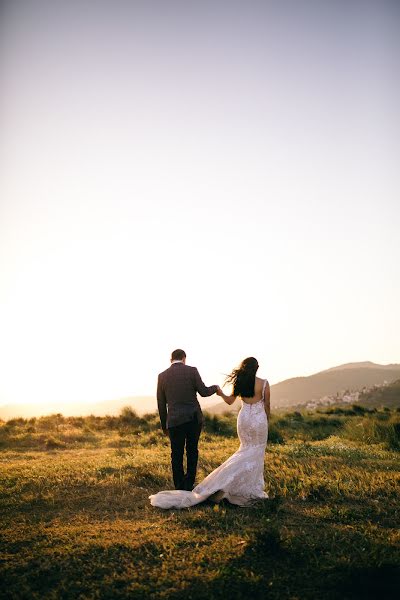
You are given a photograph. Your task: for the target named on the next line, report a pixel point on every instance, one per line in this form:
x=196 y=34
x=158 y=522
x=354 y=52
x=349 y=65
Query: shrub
x=52 y=443
x=297 y=415
x=76 y=421
x=222 y=425
x=394 y=442
x=16 y=422
x=274 y=435
x=51 y=421
x=129 y=418
x=372 y=431
x=336 y=410
x=358 y=409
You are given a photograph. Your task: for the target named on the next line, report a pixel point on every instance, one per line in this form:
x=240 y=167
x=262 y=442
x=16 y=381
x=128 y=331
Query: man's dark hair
x=178 y=355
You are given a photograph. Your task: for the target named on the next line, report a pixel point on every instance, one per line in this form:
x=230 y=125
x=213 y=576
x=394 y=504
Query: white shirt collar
x=176 y=361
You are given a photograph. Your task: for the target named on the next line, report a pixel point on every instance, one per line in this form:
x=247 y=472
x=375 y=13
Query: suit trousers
x=186 y=434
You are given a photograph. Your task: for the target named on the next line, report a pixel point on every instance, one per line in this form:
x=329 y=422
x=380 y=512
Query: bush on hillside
x=307 y=427
x=371 y=431
x=18 y=422
x=274 y=435
x=358 y=409
x=129 y=417
x=222 y=425
x=354 y=410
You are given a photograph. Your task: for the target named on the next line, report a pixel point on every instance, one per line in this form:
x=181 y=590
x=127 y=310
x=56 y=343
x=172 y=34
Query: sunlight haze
x=217 y=177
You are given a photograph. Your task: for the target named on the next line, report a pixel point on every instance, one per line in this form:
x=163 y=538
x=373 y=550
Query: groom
x=180 y=415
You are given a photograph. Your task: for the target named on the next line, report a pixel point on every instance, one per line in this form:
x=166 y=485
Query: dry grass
x=76 y=521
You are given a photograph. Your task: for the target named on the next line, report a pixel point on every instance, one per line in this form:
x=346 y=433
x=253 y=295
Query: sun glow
x=212 y=198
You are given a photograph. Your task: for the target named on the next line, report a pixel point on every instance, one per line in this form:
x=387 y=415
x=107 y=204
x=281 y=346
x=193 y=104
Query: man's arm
x=162 y=405
x=201 y=388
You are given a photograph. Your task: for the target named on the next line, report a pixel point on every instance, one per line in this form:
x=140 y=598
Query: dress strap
x=263 y=390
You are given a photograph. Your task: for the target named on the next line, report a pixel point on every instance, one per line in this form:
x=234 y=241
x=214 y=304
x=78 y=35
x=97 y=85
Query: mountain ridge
x=295 y=391
x=366 y=364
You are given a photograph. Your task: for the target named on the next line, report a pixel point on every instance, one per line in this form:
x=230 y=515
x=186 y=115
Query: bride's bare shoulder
x=258 y=385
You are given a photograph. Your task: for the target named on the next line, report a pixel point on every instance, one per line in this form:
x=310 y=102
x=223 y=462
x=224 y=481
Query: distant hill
x=389 y=396
x=140 y=404
x=296 y=391
x=300 y=390
x=364 y=365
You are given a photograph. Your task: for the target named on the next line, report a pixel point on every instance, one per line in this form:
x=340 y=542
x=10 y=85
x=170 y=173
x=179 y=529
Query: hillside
x=385 y=396
x=364 y=365
x=300 y=390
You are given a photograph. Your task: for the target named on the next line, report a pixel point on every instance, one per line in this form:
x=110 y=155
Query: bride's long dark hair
x=243 y=379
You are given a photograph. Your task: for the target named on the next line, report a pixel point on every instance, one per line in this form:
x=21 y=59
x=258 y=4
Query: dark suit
x=181 y=415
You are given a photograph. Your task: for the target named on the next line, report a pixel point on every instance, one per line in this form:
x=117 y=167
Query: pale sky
x=217 y=176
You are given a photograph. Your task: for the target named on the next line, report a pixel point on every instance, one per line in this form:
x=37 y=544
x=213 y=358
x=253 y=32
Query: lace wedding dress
x=240 y=479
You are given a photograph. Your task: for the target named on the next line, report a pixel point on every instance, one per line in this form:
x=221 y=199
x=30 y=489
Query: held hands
x=225 y=398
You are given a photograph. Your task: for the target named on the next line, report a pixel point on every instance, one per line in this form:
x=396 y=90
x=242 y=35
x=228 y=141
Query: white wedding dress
x=240 y=479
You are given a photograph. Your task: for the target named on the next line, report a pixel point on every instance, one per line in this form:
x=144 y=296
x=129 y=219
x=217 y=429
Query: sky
x=219 y=176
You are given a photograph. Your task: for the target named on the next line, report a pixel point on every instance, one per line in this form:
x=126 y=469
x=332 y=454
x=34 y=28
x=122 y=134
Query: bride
x=240 y=479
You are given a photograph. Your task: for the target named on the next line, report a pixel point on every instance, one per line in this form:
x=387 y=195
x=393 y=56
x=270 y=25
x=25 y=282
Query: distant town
x=344 y=396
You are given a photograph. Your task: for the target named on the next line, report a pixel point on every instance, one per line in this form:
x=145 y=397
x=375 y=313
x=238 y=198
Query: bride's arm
x=267 y=401
x=228 y=399
x=225 y=398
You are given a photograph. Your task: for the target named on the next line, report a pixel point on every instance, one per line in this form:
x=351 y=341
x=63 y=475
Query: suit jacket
x=176 y=389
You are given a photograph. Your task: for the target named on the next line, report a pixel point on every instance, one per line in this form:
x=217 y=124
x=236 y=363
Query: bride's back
x=258 y=392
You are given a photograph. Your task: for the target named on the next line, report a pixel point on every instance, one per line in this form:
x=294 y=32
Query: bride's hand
x=219 y=391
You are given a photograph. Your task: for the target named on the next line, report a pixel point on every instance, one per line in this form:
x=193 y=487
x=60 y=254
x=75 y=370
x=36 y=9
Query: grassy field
x=76 y=521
